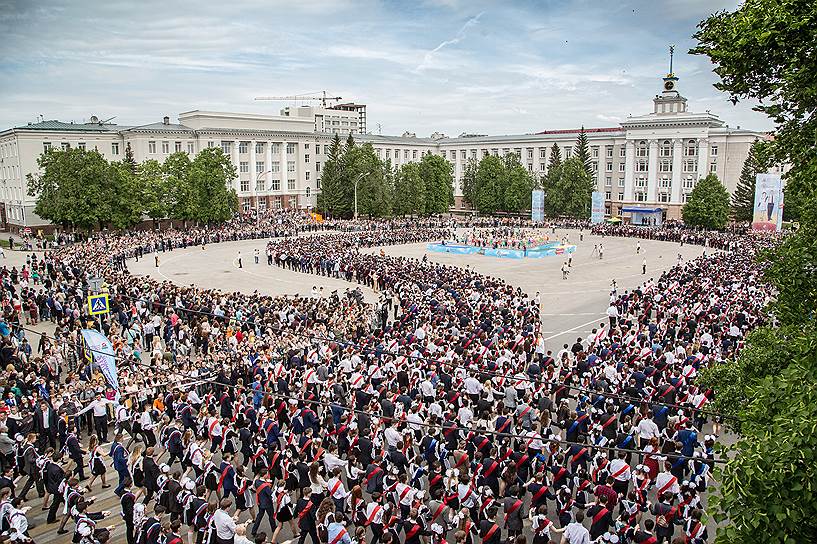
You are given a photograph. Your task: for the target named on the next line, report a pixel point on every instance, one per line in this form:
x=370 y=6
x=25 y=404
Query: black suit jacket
x=39 y=426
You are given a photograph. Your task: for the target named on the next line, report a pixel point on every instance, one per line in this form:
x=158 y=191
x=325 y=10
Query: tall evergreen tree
x=583 y=152
x=130 y=162
x=555 y=159
x=743 y=200
x=334 y=196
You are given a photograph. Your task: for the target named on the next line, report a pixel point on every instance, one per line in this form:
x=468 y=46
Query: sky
x=453 y=66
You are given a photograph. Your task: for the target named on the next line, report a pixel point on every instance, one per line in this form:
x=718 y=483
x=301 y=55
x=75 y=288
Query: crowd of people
x=504 y=237
x=438 y=414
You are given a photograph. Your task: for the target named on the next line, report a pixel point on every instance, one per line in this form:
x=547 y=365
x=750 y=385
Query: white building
x=650 y=161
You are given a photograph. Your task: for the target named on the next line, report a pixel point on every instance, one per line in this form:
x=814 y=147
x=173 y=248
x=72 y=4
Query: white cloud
x=428 y=59
x=517 y=67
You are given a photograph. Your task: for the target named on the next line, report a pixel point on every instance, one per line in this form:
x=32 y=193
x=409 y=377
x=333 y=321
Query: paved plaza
x=569 y=306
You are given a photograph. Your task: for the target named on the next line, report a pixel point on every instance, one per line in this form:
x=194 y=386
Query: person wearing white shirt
x=647 y=429
x=575 y=532
x=464 y=415
x=473 y=387
x=100 y=410
x=393 y=436
x=336 y=490
x=224 y=523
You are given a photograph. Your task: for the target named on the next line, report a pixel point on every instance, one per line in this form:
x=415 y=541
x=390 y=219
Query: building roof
x=578 y=130
x=160 y=127
x=79 y=127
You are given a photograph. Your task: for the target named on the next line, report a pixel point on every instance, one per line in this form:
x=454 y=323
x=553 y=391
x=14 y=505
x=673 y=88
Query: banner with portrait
x=767 y=214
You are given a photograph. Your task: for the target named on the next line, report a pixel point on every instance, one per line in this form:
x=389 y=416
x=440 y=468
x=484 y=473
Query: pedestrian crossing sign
x=98 y=304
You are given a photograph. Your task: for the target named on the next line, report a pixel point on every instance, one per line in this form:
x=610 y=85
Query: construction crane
x=305 y=97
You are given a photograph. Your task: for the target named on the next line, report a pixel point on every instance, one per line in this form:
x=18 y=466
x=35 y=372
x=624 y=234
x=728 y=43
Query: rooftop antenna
x=106 y=120
x=671 y=53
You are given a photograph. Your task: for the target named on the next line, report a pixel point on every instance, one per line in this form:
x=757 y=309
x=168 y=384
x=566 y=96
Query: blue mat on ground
x=545 y=250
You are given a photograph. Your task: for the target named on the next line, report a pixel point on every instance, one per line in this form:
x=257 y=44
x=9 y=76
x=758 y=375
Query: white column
x=268 y=167
x=703 y=158
x=629 y=170
x=234 y=158
x=652 y=175
x=284 y=173
x=677 y=151
x=253 y=174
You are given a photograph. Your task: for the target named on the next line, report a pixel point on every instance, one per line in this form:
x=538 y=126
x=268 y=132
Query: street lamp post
x=357 y=179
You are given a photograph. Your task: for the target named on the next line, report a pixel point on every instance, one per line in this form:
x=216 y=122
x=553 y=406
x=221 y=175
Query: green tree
x=409 y=190
x=154 y=188
x=335 y=198
x=374 y=197
x=71 y=188
x=518 y=185
x=129 y=161
x=550 y=185
x=179 y=193
x=571 y=192
x=469 y=183
x=707 y=205
x=743 y=200
x=210 y=177
x=763 y=51
x=490 y=185
x=438 y=181
x=125 y=196
x=555 y=157
x=583 y=152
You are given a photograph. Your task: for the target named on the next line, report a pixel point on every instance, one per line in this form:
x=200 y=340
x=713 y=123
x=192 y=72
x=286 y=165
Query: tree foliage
x=568 y=190
x=764 y=51
x=583 y=152
x=71 y=188
x=707 y=205
x=438 y=181
x=210 y=179
x=743 y=200
x=555 y=159
x=409 y=190
x=469 y=182
x=423 y=188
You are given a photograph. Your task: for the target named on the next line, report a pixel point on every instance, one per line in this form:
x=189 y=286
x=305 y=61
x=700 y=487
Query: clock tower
x=670 y=100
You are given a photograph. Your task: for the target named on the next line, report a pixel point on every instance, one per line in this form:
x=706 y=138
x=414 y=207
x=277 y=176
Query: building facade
x=650 y=161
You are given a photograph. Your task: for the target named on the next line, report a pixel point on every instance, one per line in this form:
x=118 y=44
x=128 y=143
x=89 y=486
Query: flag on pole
x=98 y=350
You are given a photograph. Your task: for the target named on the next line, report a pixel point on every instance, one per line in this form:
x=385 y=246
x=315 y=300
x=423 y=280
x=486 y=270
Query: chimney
x=166 y=120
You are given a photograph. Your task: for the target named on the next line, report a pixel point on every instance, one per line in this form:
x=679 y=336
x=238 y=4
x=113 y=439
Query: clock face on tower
x=669 y=85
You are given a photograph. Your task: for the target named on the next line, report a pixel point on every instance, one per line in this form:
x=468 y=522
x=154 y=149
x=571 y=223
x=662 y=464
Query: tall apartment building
x=649 y=161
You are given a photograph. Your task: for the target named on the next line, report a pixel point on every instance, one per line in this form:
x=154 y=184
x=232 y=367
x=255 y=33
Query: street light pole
x=357 y=179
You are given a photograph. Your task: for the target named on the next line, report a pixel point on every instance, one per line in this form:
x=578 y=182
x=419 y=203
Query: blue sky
x=437 y=65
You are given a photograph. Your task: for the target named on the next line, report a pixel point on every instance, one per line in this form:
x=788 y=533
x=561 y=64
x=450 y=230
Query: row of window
x=11 y=172
x=260 y=185
x=277 y=203
x=8 y=150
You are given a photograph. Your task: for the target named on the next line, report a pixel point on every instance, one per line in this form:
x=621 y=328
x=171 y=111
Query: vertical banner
x=537 y=208
x=597 y=208
x=768 y=210
x=98 y=350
